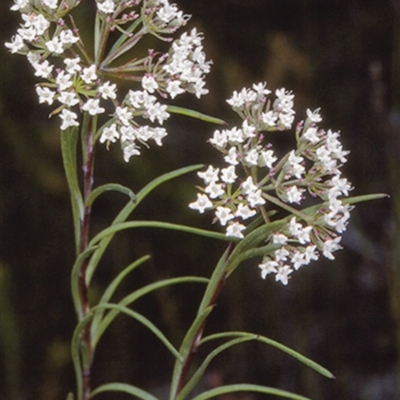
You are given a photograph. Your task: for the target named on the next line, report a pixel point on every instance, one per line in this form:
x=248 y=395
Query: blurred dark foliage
x=343 y=56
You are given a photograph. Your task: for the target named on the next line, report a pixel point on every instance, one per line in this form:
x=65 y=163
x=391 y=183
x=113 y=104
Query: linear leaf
x=247 y=387
x=144 y=321
x=109 y=187
x=251 y=336
x=123 y=387
x=195 y=114
x=129 y=208
x=136 y=295
x=200 y=371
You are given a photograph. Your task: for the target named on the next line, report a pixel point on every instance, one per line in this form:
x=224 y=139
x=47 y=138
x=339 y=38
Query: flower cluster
x=253 y=180
x=81 y=85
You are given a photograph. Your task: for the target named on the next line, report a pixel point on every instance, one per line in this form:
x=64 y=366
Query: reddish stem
x=87 y=168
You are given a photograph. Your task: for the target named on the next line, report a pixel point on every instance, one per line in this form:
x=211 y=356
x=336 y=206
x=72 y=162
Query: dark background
x=341 y=55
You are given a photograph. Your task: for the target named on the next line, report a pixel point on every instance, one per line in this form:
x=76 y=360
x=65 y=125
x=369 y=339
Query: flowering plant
x=285 y=210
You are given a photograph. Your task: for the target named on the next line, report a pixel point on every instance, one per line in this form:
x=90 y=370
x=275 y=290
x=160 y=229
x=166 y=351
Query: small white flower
x=68 y=98
x=311 y=134
x=108 y=90
x=244 y=211
x=294 y=194
x=130 y=150
x=109 y=134
x=158 y=134
x=67 y=37
x=283 y=273
x=251 y=158
x=45 y=95
x=92 y=106
x=124 y=115
x=44 y=69
x=224 y=214
x=52 y=4
x=235 y=230
x=210 y=175
x=69 y=119
x=157 y=111
x=228 y=175
x=16 y=44
x=107 y=6
x=201 y=204
x=329 y=246
x=63 y=80
x=219 y=139
x=255 y=198
x=55 y=45
x=72 y=65
x=214 y=190
x=174 y=88
x=314 y=116
x=281 y=254
x=89 y=74
x=232 y=157
x=266 y=158
x=149 y=83
x=279 y=238
x=268 y=267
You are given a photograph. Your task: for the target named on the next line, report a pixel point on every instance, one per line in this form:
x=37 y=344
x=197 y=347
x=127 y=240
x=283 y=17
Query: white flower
x=210 y=175
x=55 y=45
x=72 y=65
x=157 y=111
x=269 y=118
x=268 y=267
x=304 y=235
x=296 y=168
x=279 y=238
x=174 y=88
x=43 y=70
x=294 y=194
x=16 y=44
x=45 y=95
x=52 y=4
x=69 y=119
x=266 y=158
x=314 y=116
x=130 y=150
x=92 y=106
x=149 y=83
x=283 y=273
x=220 y=139
x=244 y=211
x=251 y=157
x=89 y=74
x=107 y=6
x=294 y=227
x=235 y=230
x=214 y=190
x=109 y=134
x=255 y=198
x=248 y=186
x=19 y=4
x=224 y=214
x=63 y=80
x=228 y=175
x=108 y=90
x=68 y=98
x=67 y=37
x=311 y=134
x=232 y=157
x=124 y=115
x=311 y=253
x=281 y=254
x=329 y=246
x=202 y=203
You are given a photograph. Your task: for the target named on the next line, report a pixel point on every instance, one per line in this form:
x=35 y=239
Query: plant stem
x=87 y=169
x=220 y=276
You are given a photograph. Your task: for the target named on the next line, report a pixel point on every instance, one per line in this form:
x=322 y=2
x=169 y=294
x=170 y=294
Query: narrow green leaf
x=125 y=388
x=365 y=197
x=129 y=208
x=69 y=141
x=111 y=289
x=200 y=371
x=159 y=225
x=251 y=336
x=186 y=348
x=247 y=387
x=109 y=187
x=195 y=114
x=144 y=321
x=126 y=301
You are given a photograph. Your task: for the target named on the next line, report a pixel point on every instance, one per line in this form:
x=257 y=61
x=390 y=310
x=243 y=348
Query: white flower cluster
x=254 y=180
x=81 y=85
